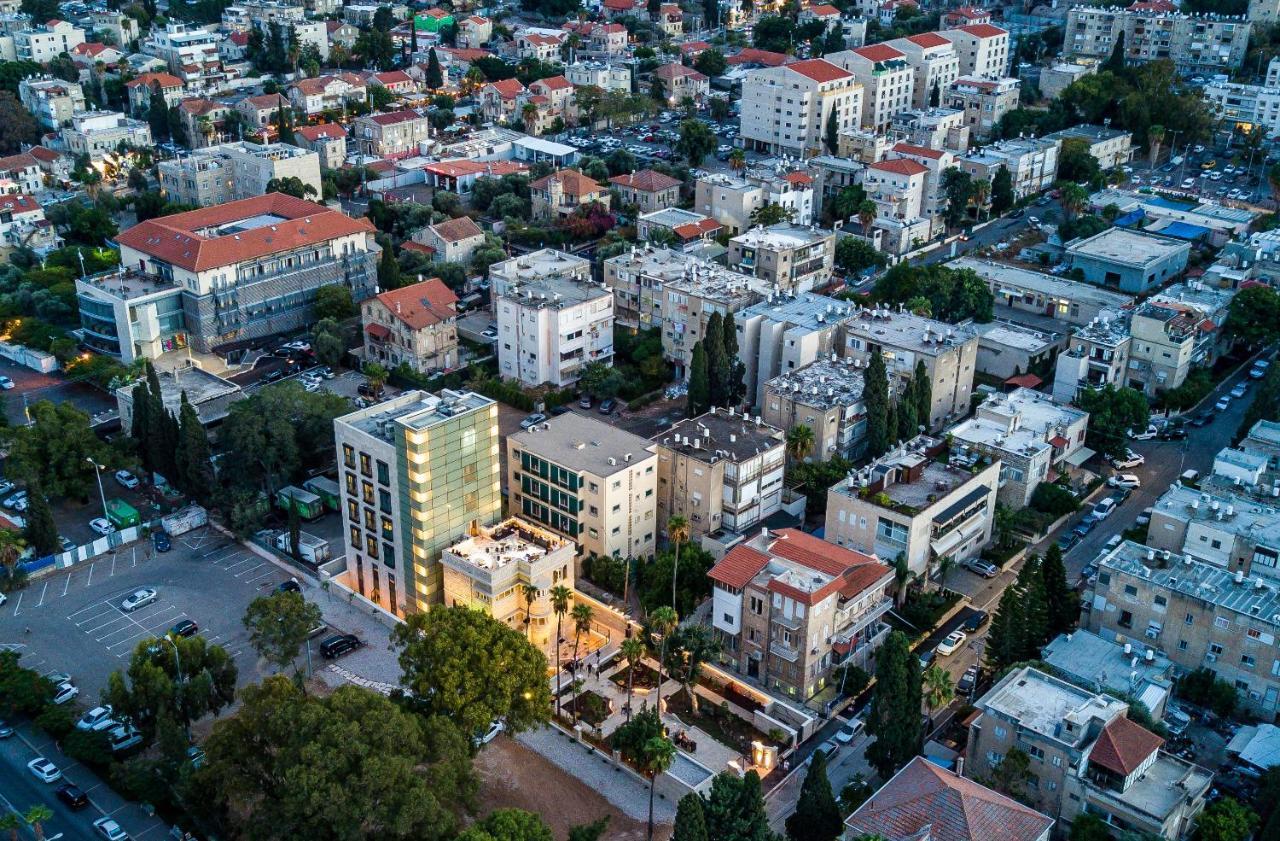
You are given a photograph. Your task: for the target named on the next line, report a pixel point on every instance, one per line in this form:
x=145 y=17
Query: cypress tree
x=923 y=390
x=894 y=718
x=388 y=268
x=1035 y=612
x=891 y=424
x=817 y=817
x=194 y=452
x=435 y=76
x=717 y=362
x=935 y=96
x=833 y=133
x=875 y=394
x=1005 y=639
x=737 y=370
x=1061 y=602
x=907 y=426
x=691 y=823
x=699 y=382
x=140 y=429
x=41 y=532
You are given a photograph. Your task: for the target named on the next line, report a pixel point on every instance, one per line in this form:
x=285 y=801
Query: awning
x=1059 y=442
x=1079 y=457
x=948 y=542
x=378 y=331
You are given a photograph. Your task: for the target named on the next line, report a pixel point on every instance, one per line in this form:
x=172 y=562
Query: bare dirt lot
x=512 y=776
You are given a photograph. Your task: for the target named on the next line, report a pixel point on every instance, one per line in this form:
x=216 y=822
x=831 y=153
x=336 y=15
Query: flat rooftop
x=1127 y=247
x=1265 y=432
x=124 y=285
x=579 y=442
x=806 y=310
x=509 y=543
x=656 y=263
x=1007 y=334
x=1015 y=279
x=902 y=329
x=1085 y=656
x=1092 y=133
x=553 y=291
x=782 y=236
x=416 y=411
x=210 y=394
x=717 y=284
x=720 y=433
x=823 y=385
x=1209 y=300
x=1045 y=704
x=672 y=217
x=1161 y=787
x=935 y=480
x=543 y=263
x=1110 y=329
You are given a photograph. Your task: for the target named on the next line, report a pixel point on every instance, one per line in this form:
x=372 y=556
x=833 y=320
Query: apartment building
x=1031 y=296
x=789 y=609
x=935 y=62
x=262 y=113
x=51 y=101
x=687 y=304
x=1196 y=614
x=414 y=325
x=732 y=199
x=552 y=319
x=1057 y=77
x=191 y=53
x=787 y=257
x=786 y=109
x=100 y=133
x=120 y=25
x=564 y=193
x=24 y=171
x=683 y=228
x=1207 y=44
x=1033 y=437
x=452 y=241
x=42 y=44
x=1097 y=355
x=1032 y=163
x=1007 y=350
x=932 y=128
x=500 y=101
x=786 y=332
x=825 y=396
x=720 y=471
x=887 y=80
x=327 y=140
x=588 y=481
x=242 y=270
x=1226 y=524
x=680 y=82
x=233 y=171
x=397 y=134
x=23 y=225
x=1103 y=665
x=1112 y=147
x=983 y=50
x=983 y=101
x=906 y=503
x=949 y=353
x=1086 y=756
x=204 y=120
x=327 y=93
x=1168 y=341
x=1127 y=259
x=647 y=189
x=932 y=200
x=419 y=472
x=143 y=88
x=474 y=31
x=897 y=188
x=638 y=278
x=600 y=74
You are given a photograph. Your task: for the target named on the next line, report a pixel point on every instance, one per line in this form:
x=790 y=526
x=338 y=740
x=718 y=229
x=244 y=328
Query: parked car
x=98 y=718
x=1172 y=433
x=584 y=402
x=1240 y=389
x=1130 y=459
x=1144 y=434
x=1068 y=540
x=607 y=406
x=5 y=730
x=1124 y=480
x=1144 y=518
x=975 y=621
x=338 y=645
x=44 y=770
x=1256 y=373
x=127 y=479
x=290 y=586
x=491 y=733
x=110 y=830
x=1223 y=403
x=185 y=628
x=70 y=794
x=952 y=643
x=65 y=692
x=1103 y=509
x=139 y=599
x=981 y=567
x=161 y=541
x=1205 y=418
x=849 y=731
x=489 y=333
x=6 y=383
x=532 y=420
x=15 y=500
x=1085 y=526
x=967 y=681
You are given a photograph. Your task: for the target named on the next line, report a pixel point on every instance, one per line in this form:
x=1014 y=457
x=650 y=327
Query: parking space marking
x=17 y=608
x=43 y=590
x=86 y=609
x=268 y=574
x=247 y=560
x=67 y=586
x=217 y=550
x=113 y=565
x=251 y=570
x=91 y=566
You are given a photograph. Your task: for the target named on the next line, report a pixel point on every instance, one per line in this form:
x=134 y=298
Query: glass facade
x=549 y=494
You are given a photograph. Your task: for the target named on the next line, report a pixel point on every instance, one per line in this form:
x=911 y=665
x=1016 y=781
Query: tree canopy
x=1112 y=412
x=953 y=294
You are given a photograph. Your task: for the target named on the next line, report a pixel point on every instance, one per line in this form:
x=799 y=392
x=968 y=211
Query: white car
x=1130 y=459
x=98 y=718
x=6 y=383
x=952 y=643
x=110 y=830
x=1002 y=246
x=127 y=479
x=44 y=770
x=65 y=692
x=20 y=498
x=102 y=526
x=1223 y=403
x=300 y=346
x=1124 y=480
x=849 y=731
x=138 y=599
x=495 y=728
x=1146 y=434
x=1188 y=183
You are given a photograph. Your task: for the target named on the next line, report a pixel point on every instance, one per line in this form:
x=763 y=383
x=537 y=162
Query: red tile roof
x=456 y=168
x=750 y=55
x=267 y=100
x=1025 y=381
x=923 y=800
x=22 y=160
x=696 y=230
x=394 y=77
x=396 y=117
x=1123 y=746
x=738 y=567
x=850 y=572
x=971 y=12
x=674 y=69
x=918 y=151
x=901 y=166
x=573 y=182
x=164 y=80
x=554 y=83
x=646 y=181
x=819 y=70
x=1058 y=442
x=18 y=203
x=798 y=178
x=321 y=131
x=879 y=52
x=928 y=39
x=816 y=553
x=178 y=240
x=422 y=304
x=984 y=30
x=456 y=230
x=823 y=10
x=507 y=88
x=691 y=47
x=462 y=54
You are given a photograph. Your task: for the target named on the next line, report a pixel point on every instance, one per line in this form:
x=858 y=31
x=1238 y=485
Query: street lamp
x=98 y=468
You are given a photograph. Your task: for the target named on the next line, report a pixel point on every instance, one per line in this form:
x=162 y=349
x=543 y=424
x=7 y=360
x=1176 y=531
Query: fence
x=37 y=567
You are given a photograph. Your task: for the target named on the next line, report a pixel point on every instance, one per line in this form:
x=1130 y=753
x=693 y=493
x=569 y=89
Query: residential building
x=1169 y=339
x=680 y=82
x=262 y=113
x=544 y=45
x=210 y=395
x=120 y=25
x=789 y=609
x=191 y=53
x=327 y=93
x=1128 y=259
x=1086 y=756
x=600 y=40
x=243 y=270
x=687 y=304
x=932 y=128
x=965 y=16
x=949 y=353
x=731 y=200
x=1208 y=44
x=203 y=120
x=647 y=190
x=983 y=101
x=42 y=44
x=1111 y=146
x=100 y=133
x=1102 y=665
x=142 y=89
x=983 y=50
x=720 y=471
x=600 y=74
x=552 y=319
x=1056 y=78
x=787 y=257
x=1097 y=355
x=686 y=229
x=1033 y=437
x=923 y=800
x=1247 y=105
x=24 y=171
x=670 y=19
x=1231 y=525
x=1007 y=350
x=1022 y=292
x=500 y=101
x=935 y=63
x=589 y=481
x=906 y=503
x=563 y=193
x=1197 y=614
x=23 y=225
x=897 y=189
x=231 y=171
x=474 y=31
x=887 y=80
x=825 y=396
x=638 y=278
x=453 y=240
x=327 y=140
x=787 y=109
x=1032 y=163
x=414 y=325
x=87 y=56
x=786 y=332
x=398 y=134
x=419 y=472
x=932 y=200
x=51 y=101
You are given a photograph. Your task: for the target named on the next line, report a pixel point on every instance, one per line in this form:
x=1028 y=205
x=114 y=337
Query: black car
x=1202 y=419
x=71 y=794
x=185 y=628
x=161 y=541
x=967 y=681
x=338 y=645
x=607 y=406
x=1068 y=540
x=1172 y=434
x=290 y=586
x=975 y=621
x=272 y=375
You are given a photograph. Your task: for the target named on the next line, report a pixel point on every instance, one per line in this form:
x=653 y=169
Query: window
x=1126 y=619
x=1247 y=662
x=384 y=501
x=366 y=464
x=348 y=455
x=757 y=605
x=1057 y=761
x=1190 y=620
x=1000 y=732
x=384 y=473
x=1221 y=622
x=366 y=492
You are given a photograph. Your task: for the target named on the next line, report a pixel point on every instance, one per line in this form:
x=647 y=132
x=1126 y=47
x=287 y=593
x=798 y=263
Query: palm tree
x=678 y=532
x=529 y=116
x=377 y=376
x=656 y=756
x=901 y=576
x=945 y=564
x=582 y=616
x=560 y=598
x=1155 y=138
x=633 y=652
x=11 y=821
x=531 y=594
x=11 y=548
x=1073 y=199
x=866 y=215
x=737 y=159
x=662 y=621
x=36 y=816
x=936 y=687
x=799 y=442
x=981 y=191
x=697 y=647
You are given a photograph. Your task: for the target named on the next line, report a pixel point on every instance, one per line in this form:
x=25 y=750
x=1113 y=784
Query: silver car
x=137 y=599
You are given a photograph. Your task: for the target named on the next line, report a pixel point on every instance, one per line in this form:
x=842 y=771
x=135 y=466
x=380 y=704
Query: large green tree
x=18 y=129
x=817 y=816
x=1254 y=316
x=1002 y=197
x=1226 y=820
x=1265 y=403
x=54 y=450
x=509 y=825
x=734 y=809
x=690 y=823
x=41 y=532
x=699 y=396
x=194 y=455
x=472 y=669
x=1062 y=602
x=719 y=365
x=278 y=434
x=696 y=141
x=1113 y=411
x=279 y=624
x=875 y=396
x=894 y=718
x=181 y=679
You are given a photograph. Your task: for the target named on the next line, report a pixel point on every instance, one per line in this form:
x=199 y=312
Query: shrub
x=1054 y=499
x=56 y=720
x=89 y=748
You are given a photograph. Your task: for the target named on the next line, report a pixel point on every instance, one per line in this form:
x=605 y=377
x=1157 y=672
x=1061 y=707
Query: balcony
x=784 y=651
